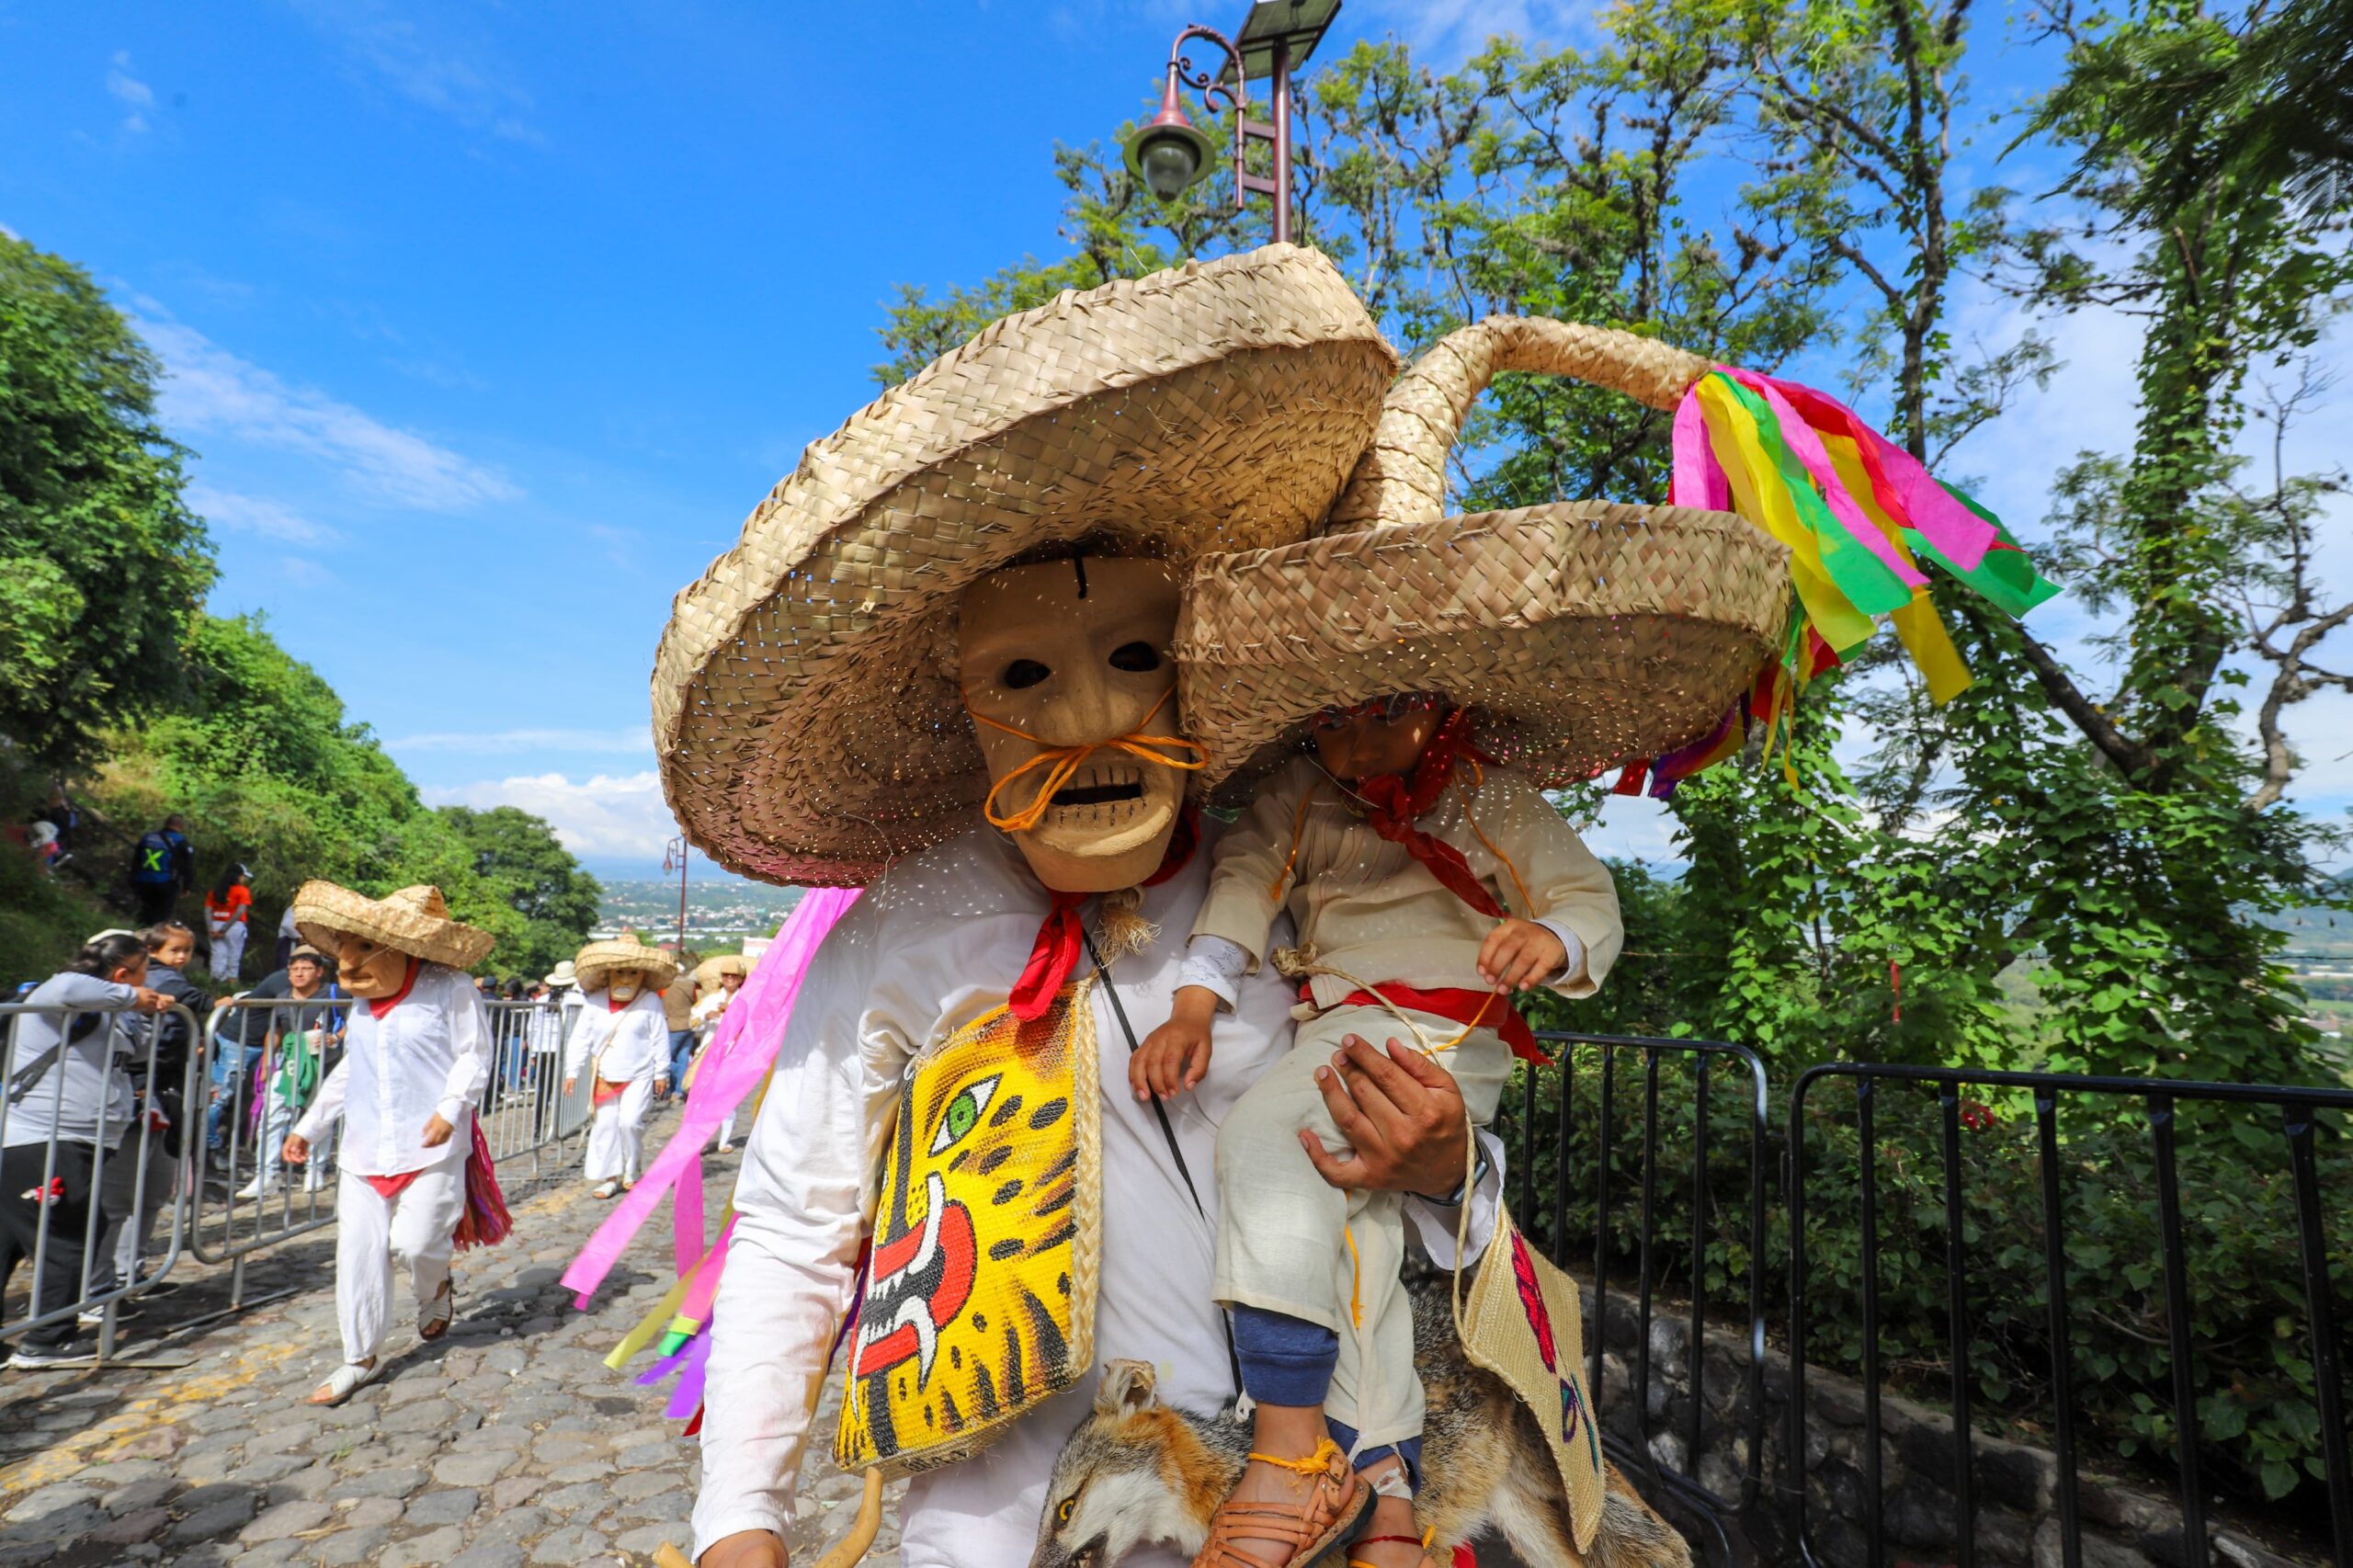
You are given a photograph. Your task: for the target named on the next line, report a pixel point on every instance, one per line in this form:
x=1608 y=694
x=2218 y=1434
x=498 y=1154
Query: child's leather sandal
x=1336 y=1503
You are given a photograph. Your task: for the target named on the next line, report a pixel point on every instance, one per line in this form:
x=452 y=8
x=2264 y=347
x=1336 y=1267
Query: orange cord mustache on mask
x=1065 y=761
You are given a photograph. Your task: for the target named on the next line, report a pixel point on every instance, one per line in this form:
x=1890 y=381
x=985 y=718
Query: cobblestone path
x=507 y=1442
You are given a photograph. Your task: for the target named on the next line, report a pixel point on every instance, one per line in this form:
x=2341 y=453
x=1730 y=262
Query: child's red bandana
x=1393 y=803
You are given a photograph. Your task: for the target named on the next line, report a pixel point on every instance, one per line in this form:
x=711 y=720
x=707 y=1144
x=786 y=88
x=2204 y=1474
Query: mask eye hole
x=1023 y=674
x=1069 y=1506
x=1135 y=657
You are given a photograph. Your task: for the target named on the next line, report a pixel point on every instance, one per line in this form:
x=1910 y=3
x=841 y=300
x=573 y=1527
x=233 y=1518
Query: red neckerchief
x=1061 y=936
x=379 y=1005
x=613 y=1007
x=1393 y=803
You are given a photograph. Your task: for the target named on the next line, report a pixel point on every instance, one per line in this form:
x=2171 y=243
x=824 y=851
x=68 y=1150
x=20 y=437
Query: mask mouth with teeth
x=1067 y=676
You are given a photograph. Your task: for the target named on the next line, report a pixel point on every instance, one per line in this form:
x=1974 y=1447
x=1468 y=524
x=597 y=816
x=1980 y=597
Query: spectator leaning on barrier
x=300 y=1049
x=170 y=948
x=69 y=1096
x=228 y=919
x=162 y=867
x=415 y=1060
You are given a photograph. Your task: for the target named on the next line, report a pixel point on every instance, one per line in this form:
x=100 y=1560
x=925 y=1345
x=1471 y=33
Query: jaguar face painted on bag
x=979 y=1292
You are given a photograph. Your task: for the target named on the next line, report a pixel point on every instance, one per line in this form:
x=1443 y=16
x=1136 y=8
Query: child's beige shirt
x=1367 y=906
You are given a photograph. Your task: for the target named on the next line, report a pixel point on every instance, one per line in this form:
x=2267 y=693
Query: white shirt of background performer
x=428 y=1057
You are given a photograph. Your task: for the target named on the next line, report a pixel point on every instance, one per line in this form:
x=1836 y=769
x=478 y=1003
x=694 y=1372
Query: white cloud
x=131 y=92
x=210 y=388
x=436 y=74
x=605 y=816
x=257 y=515
x=1453 y=31
x=624 y=741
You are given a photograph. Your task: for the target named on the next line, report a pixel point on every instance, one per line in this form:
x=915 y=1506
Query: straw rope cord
x=1402 y=476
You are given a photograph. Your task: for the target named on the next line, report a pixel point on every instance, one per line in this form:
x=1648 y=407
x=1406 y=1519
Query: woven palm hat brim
x=595 y=963
x=805 y=702
x=414 y=920
x=707 y=973
x=1585 y=633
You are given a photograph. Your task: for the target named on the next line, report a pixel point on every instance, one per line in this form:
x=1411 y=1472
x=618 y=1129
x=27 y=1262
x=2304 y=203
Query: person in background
x=564 y=990
x=162 y=867
x=41 y=837
x=622 y=1045
x=679 y=1017
x=171 y=948
x=730 y=969
x=288 y=938
x=65 y=817
x=300 y=1050
x=69 y=1097
x=228 y=918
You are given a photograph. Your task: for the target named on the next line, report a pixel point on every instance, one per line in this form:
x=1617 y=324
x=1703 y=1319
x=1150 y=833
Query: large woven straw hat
x=707 y=972
x=596 y=962
x=415 y=921
x=805 y=703
x=1586 y=633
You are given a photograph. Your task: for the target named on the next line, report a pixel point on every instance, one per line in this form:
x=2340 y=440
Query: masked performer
x=936 y=665
x=625 y=1034
x=417 y=1057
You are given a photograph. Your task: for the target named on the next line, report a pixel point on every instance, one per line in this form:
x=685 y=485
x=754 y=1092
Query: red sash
x=1467 y=1007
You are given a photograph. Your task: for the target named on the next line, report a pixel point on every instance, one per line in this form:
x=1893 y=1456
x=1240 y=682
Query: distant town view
x=720 y=911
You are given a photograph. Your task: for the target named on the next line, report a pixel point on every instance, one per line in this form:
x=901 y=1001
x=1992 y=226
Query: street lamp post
x=674 y=858
x=1170 y=155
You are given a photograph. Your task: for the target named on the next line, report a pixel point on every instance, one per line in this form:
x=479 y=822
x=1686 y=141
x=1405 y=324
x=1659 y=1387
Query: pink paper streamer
x=1960 y=533
x=746 y=1042
x=1698 y=479
x=1806 y=443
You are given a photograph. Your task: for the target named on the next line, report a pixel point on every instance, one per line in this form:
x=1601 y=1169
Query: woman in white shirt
x=417 y=1057
x=624 y=1037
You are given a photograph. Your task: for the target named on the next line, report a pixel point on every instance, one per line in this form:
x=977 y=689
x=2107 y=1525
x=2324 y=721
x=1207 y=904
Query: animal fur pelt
x=1137 y=1471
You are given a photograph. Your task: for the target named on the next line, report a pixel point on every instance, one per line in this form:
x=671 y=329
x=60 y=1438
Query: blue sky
x=490 y=322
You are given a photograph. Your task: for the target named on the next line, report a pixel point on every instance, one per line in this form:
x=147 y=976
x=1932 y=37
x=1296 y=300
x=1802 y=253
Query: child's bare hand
x=1176 y=1056
x=1518 y=953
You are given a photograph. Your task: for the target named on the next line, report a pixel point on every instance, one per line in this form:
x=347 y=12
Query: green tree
x=102 y=565
x=549 y=901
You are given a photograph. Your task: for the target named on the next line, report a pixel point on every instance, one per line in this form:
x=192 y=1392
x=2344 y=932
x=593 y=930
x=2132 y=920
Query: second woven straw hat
x=806 y=712
x=415 y=921
x=1586 y=633
x=595 y=963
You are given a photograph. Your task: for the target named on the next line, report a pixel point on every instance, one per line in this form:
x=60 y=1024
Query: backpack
x=154 y=862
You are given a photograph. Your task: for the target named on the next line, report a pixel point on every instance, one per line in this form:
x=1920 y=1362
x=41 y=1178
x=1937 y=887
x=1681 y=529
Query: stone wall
x=2016 y=1483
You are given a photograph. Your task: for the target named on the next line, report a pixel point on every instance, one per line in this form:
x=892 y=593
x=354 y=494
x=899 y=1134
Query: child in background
x=1425 y=885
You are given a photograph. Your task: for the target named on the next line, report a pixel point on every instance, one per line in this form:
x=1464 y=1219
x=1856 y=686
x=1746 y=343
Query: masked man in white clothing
x=417 y=1058
x=937 y=665
x=623 y=1039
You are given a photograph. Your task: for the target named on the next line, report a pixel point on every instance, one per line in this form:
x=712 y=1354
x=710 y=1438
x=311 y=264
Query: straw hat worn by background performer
x=806 y=708
x=415 y=921
x=595 y=963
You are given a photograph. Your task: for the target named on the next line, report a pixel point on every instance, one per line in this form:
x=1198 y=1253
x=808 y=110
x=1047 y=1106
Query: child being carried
x=1426 y=884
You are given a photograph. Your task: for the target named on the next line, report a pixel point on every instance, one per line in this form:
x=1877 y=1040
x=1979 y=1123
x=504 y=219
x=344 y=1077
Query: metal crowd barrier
x=1940 y=1111
x=85 y=1268
x=1599 y=1144
x=250 y=1198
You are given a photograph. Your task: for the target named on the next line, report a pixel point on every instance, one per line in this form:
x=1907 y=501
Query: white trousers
x=229 y=950
x=1288 y=1242
x=415 y=1229
x=616 y=1137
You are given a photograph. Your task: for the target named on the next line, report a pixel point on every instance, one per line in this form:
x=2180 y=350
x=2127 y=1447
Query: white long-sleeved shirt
x=937 y=942
x=427 y=1055
x=628 y=1046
